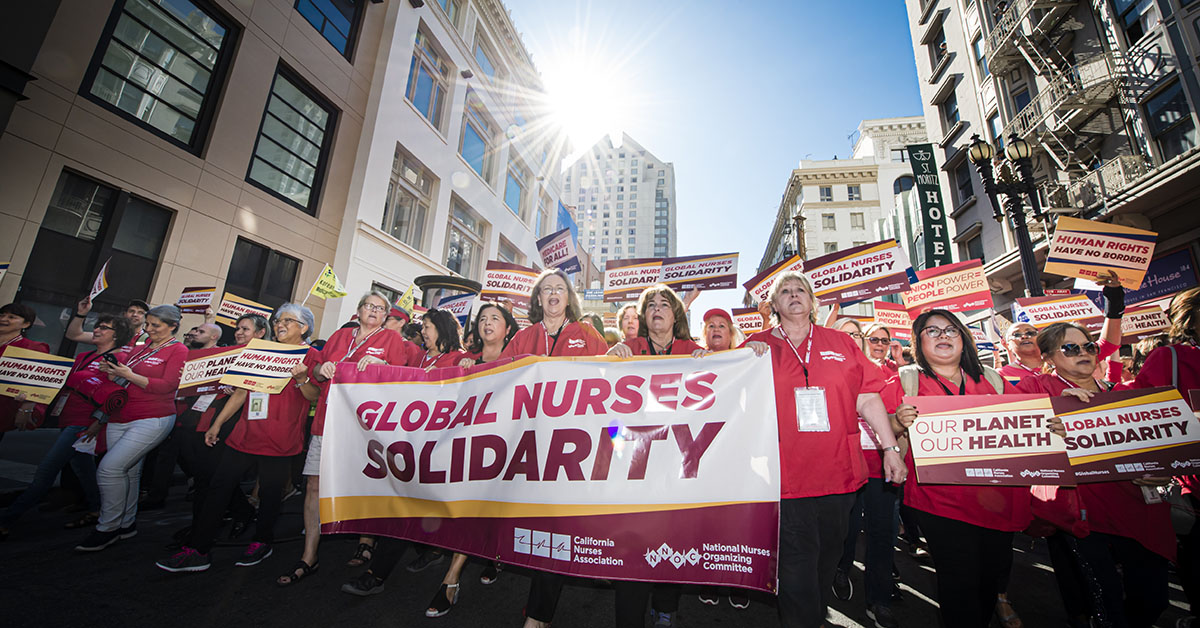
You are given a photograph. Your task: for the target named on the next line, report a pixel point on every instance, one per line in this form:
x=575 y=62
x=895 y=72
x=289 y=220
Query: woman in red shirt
x=879 y=348
x=442 y=335
x=823 y=383
x=15 y=412
x=720 y=334
x=1124 y=529
x=366 y=344
x=493 y=329
x=74 y=410
x=150 y=373
x=269 y=432
x=556 y=331
x=969 y=528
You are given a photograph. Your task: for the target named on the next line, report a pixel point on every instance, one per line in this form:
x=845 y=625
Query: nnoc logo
x=664 y=553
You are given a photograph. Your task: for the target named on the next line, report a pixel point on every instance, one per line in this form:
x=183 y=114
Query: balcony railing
x=1106 y=181
x=1076 y=87
x=1010 y=21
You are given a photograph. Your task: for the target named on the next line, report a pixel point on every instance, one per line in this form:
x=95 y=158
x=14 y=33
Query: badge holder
x=812 y=414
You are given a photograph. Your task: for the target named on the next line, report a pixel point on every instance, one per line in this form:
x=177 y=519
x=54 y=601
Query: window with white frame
x=477 y=144
x=857 y=220
x=515 y=188
x=1170 y=122
x=828 y=221
x=854 y=192
x=825 y=192
x=428 y=80
x=464 y=240
x=508 y=253
x=485 y=56
x=453 y=11
x=410 y=194
x=980 y=57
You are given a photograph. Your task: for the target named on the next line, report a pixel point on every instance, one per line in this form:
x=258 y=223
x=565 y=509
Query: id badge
x=58 y=405
x=866 y=436
x=203 y=402
x=812 y=415
x=1151 y=495
x=258 y=406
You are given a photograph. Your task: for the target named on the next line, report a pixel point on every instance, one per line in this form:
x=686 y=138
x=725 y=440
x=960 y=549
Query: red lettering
x=571 y=462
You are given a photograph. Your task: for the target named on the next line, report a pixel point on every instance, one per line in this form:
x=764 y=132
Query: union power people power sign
x=663 y=468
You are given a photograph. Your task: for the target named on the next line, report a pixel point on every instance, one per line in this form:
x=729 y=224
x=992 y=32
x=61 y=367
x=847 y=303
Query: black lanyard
x=550 y=347
x=962 y=386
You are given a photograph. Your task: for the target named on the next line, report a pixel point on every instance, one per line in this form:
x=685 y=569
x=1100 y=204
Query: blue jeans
x=60 y=455
x=120 y=470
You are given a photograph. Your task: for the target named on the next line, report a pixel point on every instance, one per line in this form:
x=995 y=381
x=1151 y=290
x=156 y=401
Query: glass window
x=949 y=109
x=428 y=80
x=78 y=207
x=857 y=220
x=903 y=184
x=261 y=274
x=334 y=19
x=477 y=137
x=292 y=148
x=483 y=56
x=831 y=247
x=464 y=250
x=980 y=57
x=160 y=65
x=1137 y=17
x=828 y=221
x=900 y=155
x=452 y=9
x=826 y=193
x=142 y=229
x=962 y=182
x=508 y=253
x=854 y=192
x=410 y=194
x=1170 y=121
x=1021 y=99
x=997 y=131
x=514 y=189
x=937 y=48
x=973 y=249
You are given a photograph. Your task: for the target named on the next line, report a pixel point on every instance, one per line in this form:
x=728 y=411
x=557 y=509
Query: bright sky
x=733 y=93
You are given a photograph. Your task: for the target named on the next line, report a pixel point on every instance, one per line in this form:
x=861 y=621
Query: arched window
x=902 y=184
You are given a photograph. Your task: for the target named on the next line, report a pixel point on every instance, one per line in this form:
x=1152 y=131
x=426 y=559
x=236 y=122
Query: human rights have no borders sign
x=661 y=469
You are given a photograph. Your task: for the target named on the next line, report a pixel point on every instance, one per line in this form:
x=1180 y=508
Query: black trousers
x=811 y=533
x=203 y=461
x=1188 y=566
x=874 y=506
x=232 y=467
x=632 y=597
x=162 y=460
x=972 y=568
x=544 y=590
x=1135 y=595
x=386 y=556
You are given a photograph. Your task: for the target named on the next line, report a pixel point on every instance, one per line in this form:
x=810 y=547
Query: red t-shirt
x=162 y=367
x=889 y=367
x=680 y=346
x=1115 y=507
x=1014 y=372
x=385 y=344
x=575 y=339
x=820 y=463
x=1005 y=508
x=1156 y=371
x=9 y=405
x=78 y=409
x=281 y=433
x=866 y=439
x=450 y=358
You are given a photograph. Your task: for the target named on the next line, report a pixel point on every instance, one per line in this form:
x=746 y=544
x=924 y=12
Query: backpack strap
x=909 y=375
x=1174 y=366
x=994 y=378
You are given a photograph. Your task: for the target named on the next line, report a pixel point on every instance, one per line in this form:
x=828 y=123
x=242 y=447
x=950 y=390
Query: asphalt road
x=45 y=583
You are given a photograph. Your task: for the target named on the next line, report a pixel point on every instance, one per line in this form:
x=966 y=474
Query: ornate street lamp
x=1018 y=152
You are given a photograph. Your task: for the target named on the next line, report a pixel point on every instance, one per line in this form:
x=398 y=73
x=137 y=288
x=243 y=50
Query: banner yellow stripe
x=378 y=507
x=1166 y=395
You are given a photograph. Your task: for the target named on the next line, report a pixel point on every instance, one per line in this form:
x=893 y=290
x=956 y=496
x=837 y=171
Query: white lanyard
x=146 y=355
x=432 y=359
x=1021 y=364
x=1070 y=385
x=355 y=347
x=807 y=350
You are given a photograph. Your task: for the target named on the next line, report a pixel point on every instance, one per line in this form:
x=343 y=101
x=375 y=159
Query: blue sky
x=734 y=94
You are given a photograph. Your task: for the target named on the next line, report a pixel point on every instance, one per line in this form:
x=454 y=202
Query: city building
x=833 y=204
x=246 y=144
x=624 y=200
x=1106 y=94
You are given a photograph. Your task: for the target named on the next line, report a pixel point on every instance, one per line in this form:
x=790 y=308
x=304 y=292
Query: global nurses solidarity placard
x=508 y=282
x=196 y=300
x=759 y=285
x=579 y=466
x=1089 y=249
x=987 y=439
x=624 y=280
x=1130 y=434
x=859 y=273
x=747 y=319
x=264 y=366
x=38 y=375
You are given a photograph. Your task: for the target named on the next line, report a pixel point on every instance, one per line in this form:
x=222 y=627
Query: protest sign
x=459 y=305
x=982 y=341
x=3 y=269
x=960 y=287
x=987 y=439
x=234 y=307
x=579 y=466
x=204 y=369
x=610 y=319
x=406 y=301
x=1089 y=249
x=558 y=251
x=264 y=366
x=1041 y=312
x=327 y=285
x=759 y=285
x=1130 y=434
x=859 y=273
x=593 y=294
x=895 y=317
x=625 y=279
x=101 y=283
x=747 y=319
x=196 y=300
x=38 y=375
x=1140 y=323
x=508 y=282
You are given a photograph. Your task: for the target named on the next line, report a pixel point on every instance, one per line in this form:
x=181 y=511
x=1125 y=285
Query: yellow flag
x=328 y=286
x=405 y=302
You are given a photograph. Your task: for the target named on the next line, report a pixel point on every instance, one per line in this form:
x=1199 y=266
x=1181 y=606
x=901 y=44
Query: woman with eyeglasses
x=75 y=411
x=442 y=336
x=363 y=345
x=556 y=331
x=1130 y=542
x=854 y=329
x=269 y=431
x=969 y=528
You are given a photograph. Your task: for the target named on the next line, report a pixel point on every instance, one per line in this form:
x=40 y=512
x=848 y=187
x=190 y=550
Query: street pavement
x=45 y=583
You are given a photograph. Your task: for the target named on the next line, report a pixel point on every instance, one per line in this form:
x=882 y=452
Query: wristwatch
x=895 y=448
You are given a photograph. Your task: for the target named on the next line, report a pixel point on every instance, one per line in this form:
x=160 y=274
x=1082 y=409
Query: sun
x=586 y=96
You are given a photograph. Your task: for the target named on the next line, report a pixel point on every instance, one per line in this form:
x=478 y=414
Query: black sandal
x=86 y=521
x=298 y=572
x=441 y=604
x=362 y=555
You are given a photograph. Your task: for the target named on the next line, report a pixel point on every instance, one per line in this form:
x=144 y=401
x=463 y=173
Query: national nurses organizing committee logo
x=540 y=543
x=664 y=553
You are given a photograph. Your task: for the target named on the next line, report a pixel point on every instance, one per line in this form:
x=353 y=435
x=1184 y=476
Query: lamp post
x=1018 y=153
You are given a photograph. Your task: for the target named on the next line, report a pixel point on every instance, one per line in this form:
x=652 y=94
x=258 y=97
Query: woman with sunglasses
x=1130 y=542
x=969 y=528
x=269 y=431
x=881 y=349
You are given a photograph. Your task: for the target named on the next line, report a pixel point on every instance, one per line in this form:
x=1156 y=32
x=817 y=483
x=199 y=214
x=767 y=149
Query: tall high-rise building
x=624 y=200
x=1105 y=92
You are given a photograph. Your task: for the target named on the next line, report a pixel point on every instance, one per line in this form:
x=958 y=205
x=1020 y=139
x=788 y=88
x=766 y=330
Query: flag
x=101 y=282
x=405 y=302
x=328 y=286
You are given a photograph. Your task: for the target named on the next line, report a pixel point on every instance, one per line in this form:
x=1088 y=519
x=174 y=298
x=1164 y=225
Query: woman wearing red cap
x=720 y=334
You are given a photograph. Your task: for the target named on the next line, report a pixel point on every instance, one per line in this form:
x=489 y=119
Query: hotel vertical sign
x=933 y=215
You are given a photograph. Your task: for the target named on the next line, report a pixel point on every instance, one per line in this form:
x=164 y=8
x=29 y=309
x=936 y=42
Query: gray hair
x=168 y=314
x=373 y=293
x=303 y=314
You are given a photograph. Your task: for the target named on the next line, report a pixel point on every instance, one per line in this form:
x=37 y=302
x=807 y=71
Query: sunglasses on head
x=1072 y=349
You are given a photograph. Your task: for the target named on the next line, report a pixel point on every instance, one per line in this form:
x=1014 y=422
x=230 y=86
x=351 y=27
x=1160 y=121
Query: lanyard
x=1099 y=386
x=670 y=347
x=546 y=337
x=962 y=385
x=146 y=355
x=355 y=347
x=807 y=350
x=1021 y=365
x=10 y=341
x=432 y=359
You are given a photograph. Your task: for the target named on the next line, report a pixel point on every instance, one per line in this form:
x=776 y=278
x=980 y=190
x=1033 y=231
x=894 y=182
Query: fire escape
x=1075 y=107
